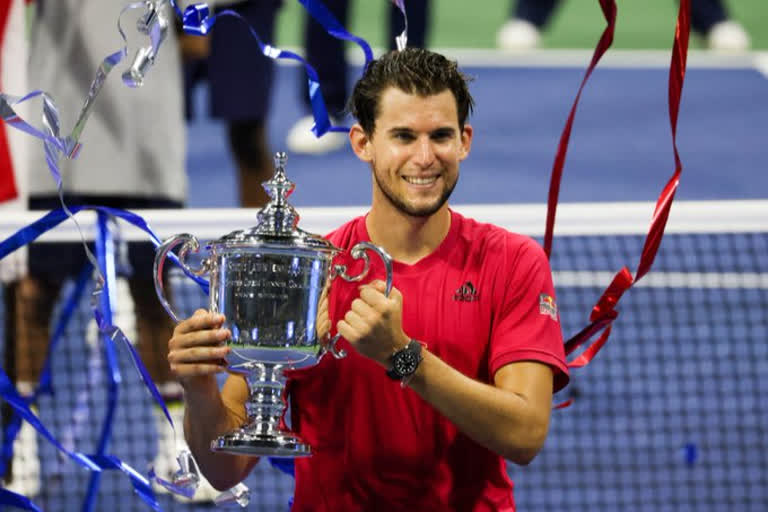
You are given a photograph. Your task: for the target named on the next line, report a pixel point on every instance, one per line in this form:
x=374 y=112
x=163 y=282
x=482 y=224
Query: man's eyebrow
x=444 y=130
x=400 y=129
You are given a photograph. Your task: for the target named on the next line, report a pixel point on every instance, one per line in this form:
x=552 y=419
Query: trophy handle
x=357 y=252
x=190 y=244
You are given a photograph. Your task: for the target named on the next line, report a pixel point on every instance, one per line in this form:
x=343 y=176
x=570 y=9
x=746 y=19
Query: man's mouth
x=420 y=180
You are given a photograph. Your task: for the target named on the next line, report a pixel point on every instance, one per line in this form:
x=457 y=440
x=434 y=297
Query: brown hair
x=414 y=71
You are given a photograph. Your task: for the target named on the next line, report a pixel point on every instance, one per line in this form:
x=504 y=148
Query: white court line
x=567 y=58
x=701 y=280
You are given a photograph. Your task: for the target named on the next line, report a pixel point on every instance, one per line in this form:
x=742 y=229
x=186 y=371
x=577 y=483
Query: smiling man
x=448 y=377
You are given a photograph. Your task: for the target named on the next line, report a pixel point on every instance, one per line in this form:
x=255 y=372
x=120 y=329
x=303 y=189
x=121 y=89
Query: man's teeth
x=420 y=181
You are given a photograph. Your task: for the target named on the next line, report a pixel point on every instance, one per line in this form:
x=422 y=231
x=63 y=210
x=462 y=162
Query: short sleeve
x=526 y=321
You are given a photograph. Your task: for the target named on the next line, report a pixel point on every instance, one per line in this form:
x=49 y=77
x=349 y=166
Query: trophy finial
x=278 y=217
x=280 y=159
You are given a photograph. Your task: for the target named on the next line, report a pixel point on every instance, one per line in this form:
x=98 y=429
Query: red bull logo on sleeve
x=547 y=306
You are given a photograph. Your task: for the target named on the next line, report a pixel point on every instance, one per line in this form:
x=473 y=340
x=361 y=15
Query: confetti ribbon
x=45 y=385
x=102 y=309
x=12 y=499
x=401 y=41
x=90 y=462
x=604 y=313
x=198 y=20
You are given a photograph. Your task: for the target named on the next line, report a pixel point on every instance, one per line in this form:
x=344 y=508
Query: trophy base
x=241 y=442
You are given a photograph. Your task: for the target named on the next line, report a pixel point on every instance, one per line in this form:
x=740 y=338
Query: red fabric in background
x=8 y=188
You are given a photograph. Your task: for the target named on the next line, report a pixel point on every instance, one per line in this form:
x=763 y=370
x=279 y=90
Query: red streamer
x=609 y=12
x=604 y=312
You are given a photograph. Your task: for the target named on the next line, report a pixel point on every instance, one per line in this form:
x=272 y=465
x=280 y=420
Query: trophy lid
x=278 y=219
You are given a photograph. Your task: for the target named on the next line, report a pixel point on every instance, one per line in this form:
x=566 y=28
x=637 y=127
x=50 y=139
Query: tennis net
x=668 y=416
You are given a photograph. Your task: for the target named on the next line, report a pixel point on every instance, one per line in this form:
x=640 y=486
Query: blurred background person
x=327 y=55
x=240 y=82
x=133 y=156
x=15 y=147
x=709 y=18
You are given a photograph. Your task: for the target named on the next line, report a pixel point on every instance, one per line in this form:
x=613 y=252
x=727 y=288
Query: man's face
x=415 y=150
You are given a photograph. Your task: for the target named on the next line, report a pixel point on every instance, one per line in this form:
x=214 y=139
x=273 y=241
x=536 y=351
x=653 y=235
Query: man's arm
x=510 y=418
x=196 y=356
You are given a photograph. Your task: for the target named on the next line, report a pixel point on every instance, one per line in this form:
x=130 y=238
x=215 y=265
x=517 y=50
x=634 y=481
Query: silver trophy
x=268 y=282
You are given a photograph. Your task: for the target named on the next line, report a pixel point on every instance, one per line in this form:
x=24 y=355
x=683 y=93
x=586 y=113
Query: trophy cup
x=268 y=281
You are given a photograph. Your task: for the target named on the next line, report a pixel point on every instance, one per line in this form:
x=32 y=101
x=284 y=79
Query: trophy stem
x=262 y=434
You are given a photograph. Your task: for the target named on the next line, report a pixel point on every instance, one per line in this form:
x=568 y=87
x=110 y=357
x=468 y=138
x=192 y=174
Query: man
x=478 y=299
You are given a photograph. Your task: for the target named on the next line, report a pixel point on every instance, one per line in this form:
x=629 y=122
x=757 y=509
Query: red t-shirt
x=483 y=299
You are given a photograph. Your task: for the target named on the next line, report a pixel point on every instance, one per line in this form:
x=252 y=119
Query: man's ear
x=466 y=141
x=360 y=143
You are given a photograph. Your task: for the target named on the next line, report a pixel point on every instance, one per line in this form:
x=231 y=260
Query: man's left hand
x=373 y=325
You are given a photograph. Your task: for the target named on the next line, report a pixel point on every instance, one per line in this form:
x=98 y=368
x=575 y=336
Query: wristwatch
x=405 y=362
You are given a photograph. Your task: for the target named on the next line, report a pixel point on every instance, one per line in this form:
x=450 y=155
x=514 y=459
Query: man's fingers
x=357 y=323
x=197 y=370
x=200 y=338
x=200 y=321
x=363 y=309
x=346 y=331
x=197 y=354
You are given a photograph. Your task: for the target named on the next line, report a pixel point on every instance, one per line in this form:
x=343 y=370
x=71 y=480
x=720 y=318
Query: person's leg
x=536 y=12
x=241 y=83
x=705 y=14
x=326 y=54
x=522 y=30
x=249 y=145
x=418 y=23
x=710 y=19
x=30 y=305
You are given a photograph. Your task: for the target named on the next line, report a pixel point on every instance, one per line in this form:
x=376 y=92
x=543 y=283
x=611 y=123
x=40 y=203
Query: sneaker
x=26 y=464
x=169 y=446
x=728 y=36
x=518 y=35
x=301 y=139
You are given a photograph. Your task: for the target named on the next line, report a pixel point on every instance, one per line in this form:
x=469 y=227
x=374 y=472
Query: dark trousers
x=326 y=53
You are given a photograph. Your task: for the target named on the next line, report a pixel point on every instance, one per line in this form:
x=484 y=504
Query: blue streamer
x=105 y=256
x=103 y=317
x=50 y=220
x=283 y=464
x=141 y=485
x=45 y=385
x=17 y=500
x=198 y=20
x=19 y=404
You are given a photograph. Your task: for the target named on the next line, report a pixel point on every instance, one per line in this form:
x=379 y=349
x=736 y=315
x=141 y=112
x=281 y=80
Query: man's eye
x=404 y=136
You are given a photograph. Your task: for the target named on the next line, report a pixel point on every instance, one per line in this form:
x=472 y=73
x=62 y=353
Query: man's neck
x=407 y=238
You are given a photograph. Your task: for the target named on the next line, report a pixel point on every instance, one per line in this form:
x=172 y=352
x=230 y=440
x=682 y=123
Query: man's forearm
x=501 y=420
x=207 y=417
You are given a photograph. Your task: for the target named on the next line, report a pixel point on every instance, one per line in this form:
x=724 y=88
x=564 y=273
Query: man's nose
x=425 y=153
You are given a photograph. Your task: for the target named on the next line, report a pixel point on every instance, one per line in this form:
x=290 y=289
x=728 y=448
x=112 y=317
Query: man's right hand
x=196 y=352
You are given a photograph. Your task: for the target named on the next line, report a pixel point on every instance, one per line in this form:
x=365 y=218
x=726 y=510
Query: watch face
x=406 y=362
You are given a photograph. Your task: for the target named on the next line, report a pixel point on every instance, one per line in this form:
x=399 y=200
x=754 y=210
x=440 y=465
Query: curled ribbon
x=401 y=41
x=198 y=20
x=604 y=312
